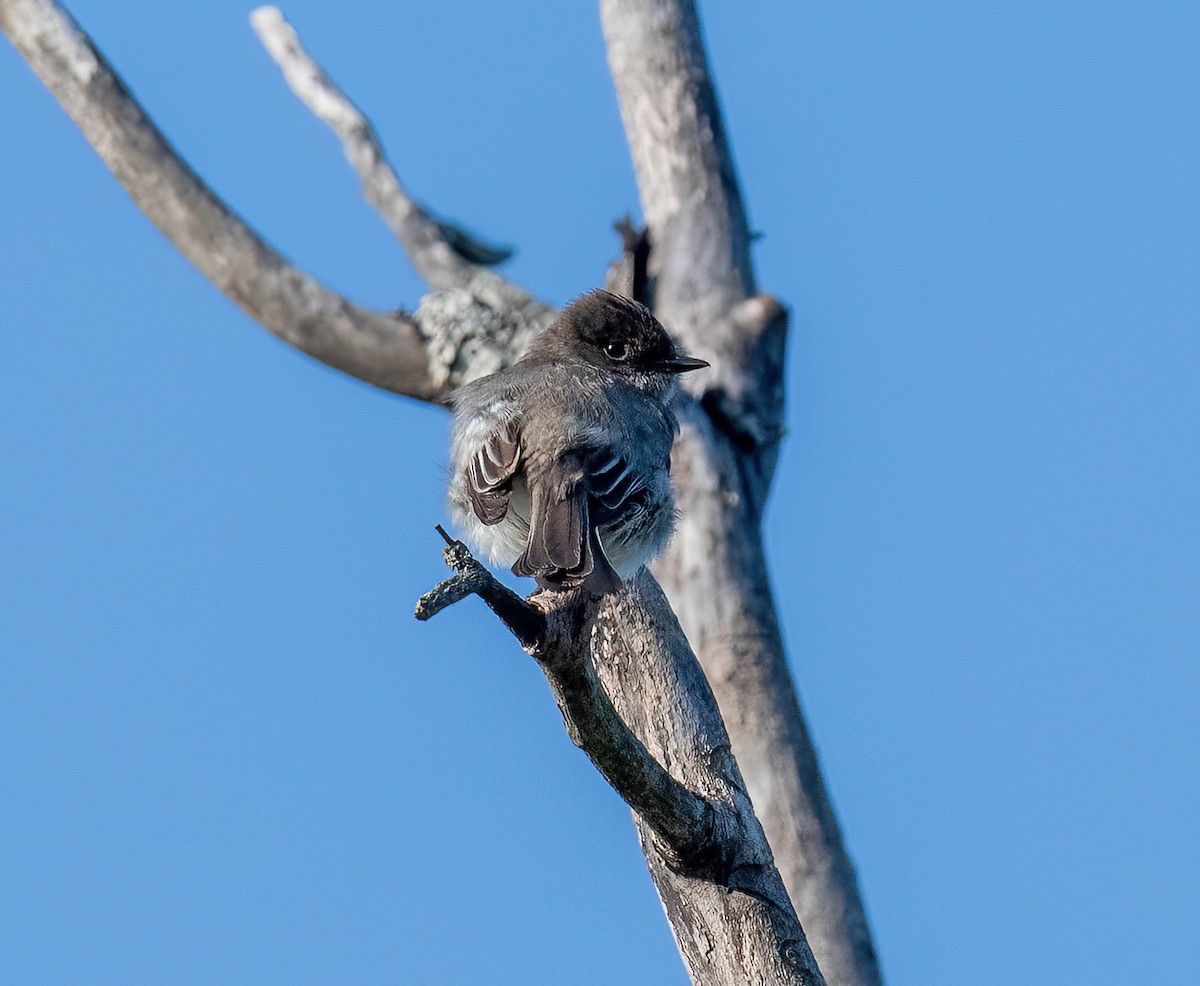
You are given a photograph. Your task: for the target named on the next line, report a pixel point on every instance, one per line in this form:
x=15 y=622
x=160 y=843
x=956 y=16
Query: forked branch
x=480 y=321
x=527 y=623
x=700 y=281
x=476 y=324
x=382 y=348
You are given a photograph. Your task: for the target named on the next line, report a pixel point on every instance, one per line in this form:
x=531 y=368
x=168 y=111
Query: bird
x=560 y=462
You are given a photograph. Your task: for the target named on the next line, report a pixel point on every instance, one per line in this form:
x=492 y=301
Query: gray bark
x=634 y=699
x=715 y=570
x=701 y=284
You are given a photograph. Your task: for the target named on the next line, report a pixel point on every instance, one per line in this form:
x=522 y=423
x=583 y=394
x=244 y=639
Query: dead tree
x=623 y=673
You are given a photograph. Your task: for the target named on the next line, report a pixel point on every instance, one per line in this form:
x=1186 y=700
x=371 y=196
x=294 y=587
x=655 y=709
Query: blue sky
x=227 y=752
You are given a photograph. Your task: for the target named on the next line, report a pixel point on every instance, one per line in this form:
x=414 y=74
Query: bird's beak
x=681 y=364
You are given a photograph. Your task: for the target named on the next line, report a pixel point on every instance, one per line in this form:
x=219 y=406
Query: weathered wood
x=445 y=255
x=635 y=700
x=455 y=335
x=698 y=276
x=381 y=348
x=715 y=571
x=742 y=927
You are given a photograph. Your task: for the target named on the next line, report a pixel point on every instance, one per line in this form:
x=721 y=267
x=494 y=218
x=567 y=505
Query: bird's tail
x=563 y=551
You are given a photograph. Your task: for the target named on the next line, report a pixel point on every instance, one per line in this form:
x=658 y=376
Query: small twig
x=632 y=270
x=526 y=622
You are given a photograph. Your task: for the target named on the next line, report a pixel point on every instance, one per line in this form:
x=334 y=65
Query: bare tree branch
x=457 y=334
x=504 y=317
x=700 y=277
x=444 y=255
x=701 y=266
x=556 y=636
x=629 y=274
x=715 y=570
x=730 y=913
x=525 y=622
x=477 y=322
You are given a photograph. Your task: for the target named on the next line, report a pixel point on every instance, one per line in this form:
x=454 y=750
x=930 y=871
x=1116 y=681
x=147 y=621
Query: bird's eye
x=616 y=350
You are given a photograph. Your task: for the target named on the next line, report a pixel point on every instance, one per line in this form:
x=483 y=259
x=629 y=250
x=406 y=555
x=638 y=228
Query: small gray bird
x=560 y=462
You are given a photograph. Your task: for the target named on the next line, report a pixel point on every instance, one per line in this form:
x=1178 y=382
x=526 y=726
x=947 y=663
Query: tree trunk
x=715 y=572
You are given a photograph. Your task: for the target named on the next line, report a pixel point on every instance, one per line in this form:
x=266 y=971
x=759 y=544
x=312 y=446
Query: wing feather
x=612 y=483
x=490 y=472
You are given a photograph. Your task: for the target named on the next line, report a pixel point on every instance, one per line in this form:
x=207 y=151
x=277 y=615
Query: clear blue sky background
x=228 y=753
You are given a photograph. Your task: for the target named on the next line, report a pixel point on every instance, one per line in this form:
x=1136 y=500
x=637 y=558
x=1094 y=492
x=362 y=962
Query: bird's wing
x=490 y=471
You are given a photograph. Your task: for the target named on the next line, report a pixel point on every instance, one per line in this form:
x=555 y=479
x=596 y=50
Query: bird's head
x=619 y=335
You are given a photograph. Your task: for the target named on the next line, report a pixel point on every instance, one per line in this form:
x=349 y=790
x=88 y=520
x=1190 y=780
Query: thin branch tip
x=524 y=621
x=265 y=13
x=444 y=253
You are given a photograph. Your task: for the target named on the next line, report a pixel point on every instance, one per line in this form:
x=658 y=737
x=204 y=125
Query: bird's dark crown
x=616 y=333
